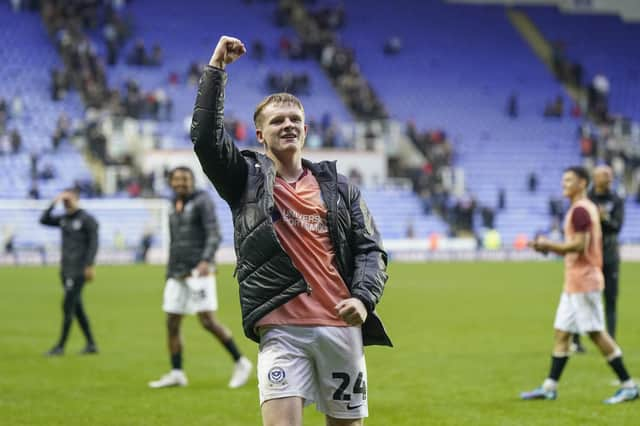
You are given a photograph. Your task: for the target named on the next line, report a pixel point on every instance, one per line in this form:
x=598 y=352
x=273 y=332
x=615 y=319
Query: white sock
x=549 y=384
x=629 y=384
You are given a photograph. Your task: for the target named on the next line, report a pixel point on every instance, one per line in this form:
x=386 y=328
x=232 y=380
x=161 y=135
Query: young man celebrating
x=310 y=262
x=580 y=309
x=79 y=248
x=191 y=286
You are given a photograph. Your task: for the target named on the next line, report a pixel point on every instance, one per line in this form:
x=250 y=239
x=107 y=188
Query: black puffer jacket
x=195 y=235
x=265 y=272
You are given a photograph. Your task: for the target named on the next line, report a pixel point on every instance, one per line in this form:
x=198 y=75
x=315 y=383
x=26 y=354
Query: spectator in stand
x=502 y=199
x=555 y=108
x=598 y=97
x=393 y=45
x=193 y=75
x=17 y=107
x=488 y=217
x=3 y=115
x=34 y=192
x=5 y=144
x=257 y=50
x=16 y=141
x=284 y=46
x=532 y=182
x=138 y=55
x=156 y=57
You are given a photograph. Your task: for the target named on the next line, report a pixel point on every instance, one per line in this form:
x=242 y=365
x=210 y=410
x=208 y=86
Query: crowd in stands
x=616 y=143
x=595 y=93
x=10 y=139
x=604 y=137
x=319 y=41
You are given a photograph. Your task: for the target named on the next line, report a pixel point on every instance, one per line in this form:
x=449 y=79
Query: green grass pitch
x=468 y=338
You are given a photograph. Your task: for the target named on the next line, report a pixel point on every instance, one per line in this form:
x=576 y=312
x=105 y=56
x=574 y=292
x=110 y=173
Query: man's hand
x=89 y=273
x=228 y=50
x=202 y=268
x=352 y=311
x=540 y=244
x=60 y=197
x=604 y=213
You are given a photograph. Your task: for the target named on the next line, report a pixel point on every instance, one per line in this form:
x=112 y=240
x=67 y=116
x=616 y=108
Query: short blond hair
x=276 y=98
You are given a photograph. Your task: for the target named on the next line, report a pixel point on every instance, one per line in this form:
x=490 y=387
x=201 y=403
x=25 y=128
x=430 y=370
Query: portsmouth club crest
x=277 y=377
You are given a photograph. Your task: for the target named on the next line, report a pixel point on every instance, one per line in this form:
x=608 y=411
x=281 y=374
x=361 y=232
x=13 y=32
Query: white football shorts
x=320 y=364
x=580 y=313
x=190 y=295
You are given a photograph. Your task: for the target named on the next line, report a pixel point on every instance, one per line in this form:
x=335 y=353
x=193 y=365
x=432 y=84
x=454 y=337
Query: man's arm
x=369 y=275
x=613 y=222
x=209 y=224
x=221 y=161
x=91 y=227
x=575 y=245
x=49 y=219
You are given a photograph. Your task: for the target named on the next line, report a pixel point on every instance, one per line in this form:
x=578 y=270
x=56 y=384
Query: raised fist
x=227 y=51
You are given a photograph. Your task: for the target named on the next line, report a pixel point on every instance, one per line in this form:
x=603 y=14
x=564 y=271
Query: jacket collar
x=324 y=171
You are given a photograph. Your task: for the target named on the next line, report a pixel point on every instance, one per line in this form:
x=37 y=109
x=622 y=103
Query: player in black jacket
x=79 y=248
x=191 y=284
x=611 y=209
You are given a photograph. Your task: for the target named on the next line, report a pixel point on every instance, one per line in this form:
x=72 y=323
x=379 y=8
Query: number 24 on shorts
x=358 y=387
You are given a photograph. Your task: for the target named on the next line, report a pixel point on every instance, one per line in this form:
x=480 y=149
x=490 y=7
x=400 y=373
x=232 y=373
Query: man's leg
x=71 y=295
x=210 y=323
x=559 y=360
x=612 y=352
x=174 y=340
x=611 y=296
x=609 y=348
x=283 y=411
x=176 y=376
x=83 y=320
x=243 y=366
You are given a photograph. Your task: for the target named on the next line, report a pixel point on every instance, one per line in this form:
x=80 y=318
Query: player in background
x=191 y=284
x=311 y=266
x=78 y=254
x=580 y=309
x=611 y=208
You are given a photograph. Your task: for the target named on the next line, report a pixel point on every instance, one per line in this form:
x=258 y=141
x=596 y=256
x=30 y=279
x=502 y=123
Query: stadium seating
x=602 y=44
x=27 y=57
x=186 y=40
x=459 y=81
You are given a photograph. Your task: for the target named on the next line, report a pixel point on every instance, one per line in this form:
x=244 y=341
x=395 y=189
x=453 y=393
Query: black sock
x=618 y=367
x=557 y=365
x=233 y=350
x=176 y=361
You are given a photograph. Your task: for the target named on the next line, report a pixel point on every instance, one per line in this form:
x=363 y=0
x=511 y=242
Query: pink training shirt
x=583 y=271
x=302 y=230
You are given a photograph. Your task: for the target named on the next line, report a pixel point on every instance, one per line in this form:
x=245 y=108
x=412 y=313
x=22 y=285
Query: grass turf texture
x=469 y=338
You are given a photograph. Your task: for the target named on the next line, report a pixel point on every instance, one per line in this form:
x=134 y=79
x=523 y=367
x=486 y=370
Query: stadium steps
x=540 y=45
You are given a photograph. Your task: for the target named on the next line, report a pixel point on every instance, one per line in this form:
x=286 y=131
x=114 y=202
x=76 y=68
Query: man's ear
x=260 y=136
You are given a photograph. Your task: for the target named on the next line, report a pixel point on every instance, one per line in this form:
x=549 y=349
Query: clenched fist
x=352 y=311
x=227 y=51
